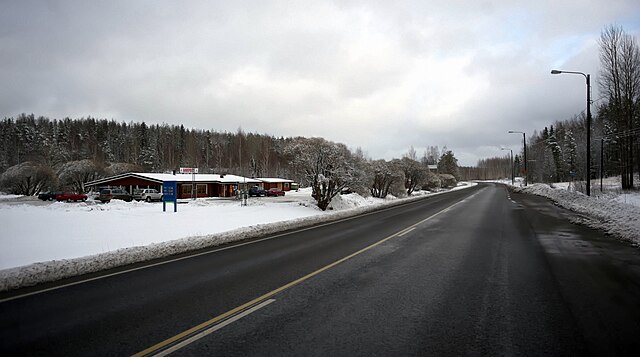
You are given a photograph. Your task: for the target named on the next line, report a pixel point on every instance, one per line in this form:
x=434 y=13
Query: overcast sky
x=380 y=75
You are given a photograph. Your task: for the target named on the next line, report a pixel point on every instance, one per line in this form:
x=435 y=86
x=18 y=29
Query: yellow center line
x=272 y=293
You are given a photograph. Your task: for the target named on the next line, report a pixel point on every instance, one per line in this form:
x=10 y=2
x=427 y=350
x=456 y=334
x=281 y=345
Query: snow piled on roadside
x=616 y=218
x=629 y=199
x=59 y=269
x=350 y=205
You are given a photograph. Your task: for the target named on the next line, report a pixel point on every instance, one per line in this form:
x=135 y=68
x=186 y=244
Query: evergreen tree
x=448 y=164
x=570 y=149
x=556 y=153
x=517 y=164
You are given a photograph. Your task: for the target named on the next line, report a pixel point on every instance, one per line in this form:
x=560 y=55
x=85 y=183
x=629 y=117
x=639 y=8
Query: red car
x=69 y=196
x=275 y=192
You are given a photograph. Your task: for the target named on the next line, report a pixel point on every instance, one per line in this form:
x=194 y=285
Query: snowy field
x=61 y=230
x=45 y=241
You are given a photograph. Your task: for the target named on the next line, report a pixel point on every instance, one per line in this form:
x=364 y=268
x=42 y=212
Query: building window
x=185 y=190
x=201 y=189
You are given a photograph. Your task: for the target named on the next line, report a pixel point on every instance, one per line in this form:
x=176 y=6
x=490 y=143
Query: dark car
x=49 y=195
x=71 y=196
x=275 y=192
x=108 y=194
x=257 y=192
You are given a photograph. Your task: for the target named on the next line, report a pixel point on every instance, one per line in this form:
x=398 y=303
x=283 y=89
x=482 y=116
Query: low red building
x=189 y=185
x=282 y=184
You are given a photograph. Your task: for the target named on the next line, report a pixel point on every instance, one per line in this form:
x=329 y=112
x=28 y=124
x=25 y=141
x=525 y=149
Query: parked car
x=49 y=195
x=257 y=191
x=275 y=192
x=107 y=194
x=147 y=194
x=70 y=196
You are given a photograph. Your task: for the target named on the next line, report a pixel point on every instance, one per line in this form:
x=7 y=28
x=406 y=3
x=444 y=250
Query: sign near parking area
x=193 y=171
x=188 y=170
x=169 y=194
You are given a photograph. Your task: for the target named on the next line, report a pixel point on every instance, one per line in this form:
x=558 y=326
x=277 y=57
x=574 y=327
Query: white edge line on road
x=406 y=231
x=210 y=251
x=212 y=329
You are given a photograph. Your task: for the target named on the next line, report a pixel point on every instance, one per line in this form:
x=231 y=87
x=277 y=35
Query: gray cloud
x=376 y=74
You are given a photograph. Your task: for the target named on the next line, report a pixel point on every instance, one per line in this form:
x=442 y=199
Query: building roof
x=227 y=178
x=183 y=178
x=273 y=180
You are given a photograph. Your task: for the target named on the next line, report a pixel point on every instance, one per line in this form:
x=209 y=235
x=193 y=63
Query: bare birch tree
x=620 y=82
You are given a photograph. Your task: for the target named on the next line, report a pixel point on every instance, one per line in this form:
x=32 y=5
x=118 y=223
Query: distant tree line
x=492 y=168
x=37 y=154
x=151 y=148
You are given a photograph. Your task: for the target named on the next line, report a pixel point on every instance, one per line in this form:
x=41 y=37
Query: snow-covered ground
x=44 y=241
x=610 y=190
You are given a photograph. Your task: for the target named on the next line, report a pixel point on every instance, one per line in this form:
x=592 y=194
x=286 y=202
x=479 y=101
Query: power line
x=620 y=134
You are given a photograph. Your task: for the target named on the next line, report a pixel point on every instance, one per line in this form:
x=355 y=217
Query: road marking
x=151 y=351
x=406 y=231
x=212 y=329
x=212 y=251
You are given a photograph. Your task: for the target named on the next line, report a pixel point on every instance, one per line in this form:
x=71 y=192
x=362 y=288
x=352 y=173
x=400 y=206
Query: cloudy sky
x=380 y=75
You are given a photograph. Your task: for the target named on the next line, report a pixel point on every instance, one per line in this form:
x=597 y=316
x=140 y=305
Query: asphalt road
x=475 y=272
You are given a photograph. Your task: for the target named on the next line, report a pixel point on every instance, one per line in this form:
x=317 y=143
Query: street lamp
x=512 y=165
x=588 y=78
x=524 y=144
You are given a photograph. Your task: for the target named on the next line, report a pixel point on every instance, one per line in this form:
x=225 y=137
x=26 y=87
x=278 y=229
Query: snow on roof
x=274 y=180
x=179 y=178
x=197 y=177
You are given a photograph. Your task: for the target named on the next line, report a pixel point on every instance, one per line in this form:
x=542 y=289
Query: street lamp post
x=524 y=145
x=513 y=179
x=588 y=79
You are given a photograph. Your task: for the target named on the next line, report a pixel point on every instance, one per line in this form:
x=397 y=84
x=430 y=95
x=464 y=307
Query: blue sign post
x=169 y=191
